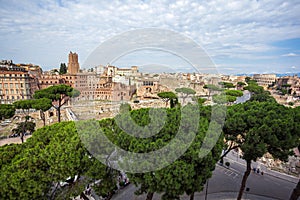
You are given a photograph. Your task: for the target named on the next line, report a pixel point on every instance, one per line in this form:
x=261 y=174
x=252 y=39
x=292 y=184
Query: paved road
x=225 y=184
x=246 y=96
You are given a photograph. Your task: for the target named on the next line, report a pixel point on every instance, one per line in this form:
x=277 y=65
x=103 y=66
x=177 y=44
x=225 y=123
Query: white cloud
x=290 y=55
x=236 y=30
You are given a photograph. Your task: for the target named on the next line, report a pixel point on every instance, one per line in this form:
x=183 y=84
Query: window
x=12 y=91
x=6 y=85
x=11 y=85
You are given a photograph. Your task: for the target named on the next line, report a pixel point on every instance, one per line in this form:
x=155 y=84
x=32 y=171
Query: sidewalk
x=266 y=170
x=211 y=196
x=15 y=140
x=229 y=196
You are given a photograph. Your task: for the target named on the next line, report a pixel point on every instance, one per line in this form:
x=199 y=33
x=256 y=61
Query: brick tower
x=73 y=65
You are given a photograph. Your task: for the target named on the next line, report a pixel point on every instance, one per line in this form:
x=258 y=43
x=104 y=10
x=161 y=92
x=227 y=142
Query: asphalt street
x=225 y=184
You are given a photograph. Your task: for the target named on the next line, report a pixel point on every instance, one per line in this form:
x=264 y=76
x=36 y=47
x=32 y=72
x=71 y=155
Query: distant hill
x=288 y=74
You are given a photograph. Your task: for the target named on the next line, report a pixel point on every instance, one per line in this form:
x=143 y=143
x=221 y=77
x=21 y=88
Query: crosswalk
x=230 y=173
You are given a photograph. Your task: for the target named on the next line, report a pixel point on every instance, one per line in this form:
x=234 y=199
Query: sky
x=238 y=36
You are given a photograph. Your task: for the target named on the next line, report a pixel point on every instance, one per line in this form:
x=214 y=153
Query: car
x=14 y=135
x=5 y=123
x=28 y=133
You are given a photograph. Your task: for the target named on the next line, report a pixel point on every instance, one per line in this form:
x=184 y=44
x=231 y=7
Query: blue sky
x=239 y=36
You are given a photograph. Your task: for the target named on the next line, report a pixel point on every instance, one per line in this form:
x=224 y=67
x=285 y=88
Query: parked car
x=14 y=135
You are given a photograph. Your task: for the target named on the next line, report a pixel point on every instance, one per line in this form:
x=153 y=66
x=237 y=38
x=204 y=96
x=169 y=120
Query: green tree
x=211 y=88
x=59 y=95
x=263 y=97
x=248 y=79
x=296 y=191
x=235 y=93
x=185 y=92
x=108 y=177
x=199 y=100
x=227 y=85
x=229 y=96
x=168 y=96
x=125 y=107
x=24 y=127
x=35 y=169
x=25 y=106
x=42 y=105
x=240 y=84
x=63 y=68
x=220 y=99
x=187 y=174
x=260 y=127
x=75 y=93
x=254 y=88
x=6 y=111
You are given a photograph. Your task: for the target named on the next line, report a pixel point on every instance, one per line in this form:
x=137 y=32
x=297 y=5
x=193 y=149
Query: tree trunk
x=42 y=114
x=226 y=152
x=184 y=97
x=296 y=192
x=149 y=195
x=58 y=109
x=192 y=196
x=22 y=137
x=245 y=177
x=58 y=114
x=23 y=128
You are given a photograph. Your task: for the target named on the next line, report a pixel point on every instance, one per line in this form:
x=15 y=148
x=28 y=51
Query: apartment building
x=15 y=83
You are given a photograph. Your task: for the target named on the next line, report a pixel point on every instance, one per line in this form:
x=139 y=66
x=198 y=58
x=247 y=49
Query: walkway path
x=13 y=140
